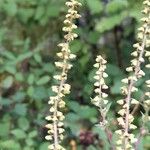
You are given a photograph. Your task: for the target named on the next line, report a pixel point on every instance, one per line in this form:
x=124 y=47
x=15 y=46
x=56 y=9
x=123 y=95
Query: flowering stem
x=130 y=86
x=56 y=141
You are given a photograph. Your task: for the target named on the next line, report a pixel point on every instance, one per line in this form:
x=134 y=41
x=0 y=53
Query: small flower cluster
x=56 y=117
x=147 y=100
x=126 y=118
x=100 y=99
x=147 y=93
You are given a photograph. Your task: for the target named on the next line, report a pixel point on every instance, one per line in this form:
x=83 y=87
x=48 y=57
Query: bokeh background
x=29 y=33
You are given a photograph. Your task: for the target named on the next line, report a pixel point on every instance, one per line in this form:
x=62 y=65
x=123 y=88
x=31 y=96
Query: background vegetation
x=29 y=33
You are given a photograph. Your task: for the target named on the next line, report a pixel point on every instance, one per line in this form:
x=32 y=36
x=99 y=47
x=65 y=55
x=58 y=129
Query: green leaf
x=4 y=129
x=30 y=90
x=115 y=6
x=19 y=134
x=40 y=93
x=25 y=14
x=5 y=101
x=23 y=123
x=43 y=80
x=7 y=54
x=20 y=109
x=9 y=145
x=43 y=146
x=39 y=12
x=30 y=79
x=53 y=11
x=24 y=56
x=113 y=70
x=95 y=6
x=19 y=96
x=87 y=112
x=115 y=89
x=29 y=142
x=106 y=24
x=19 y=76
x=10 y=7
x=37 y=57
x=76 y=46
x=7 y=82
x=10 y=69
x=73 y=106
x=32 y=134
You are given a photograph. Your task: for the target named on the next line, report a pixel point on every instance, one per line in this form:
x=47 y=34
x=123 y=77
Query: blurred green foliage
x=29 y=33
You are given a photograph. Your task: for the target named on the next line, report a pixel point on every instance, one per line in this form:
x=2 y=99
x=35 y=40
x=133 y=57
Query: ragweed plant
x=100 y=99
x=56 y=117
x=126 y=138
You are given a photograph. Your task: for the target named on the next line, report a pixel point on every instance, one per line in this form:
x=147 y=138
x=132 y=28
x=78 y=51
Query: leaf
x=43 y=80
x=9 y=145
x=53 y=11
x=37 y=57
x=115 y=6
x=19 y=96
x=73 y=106
x=87 y=112
x=10 y=69
x=107 y=108
x=40 y=93
x=19 y=76
x=39 y=12
x=115 y=89
x=4 y=129
x=76 y=46
x=106 y=24
x=95 y=6
x=7 y=82
x=43 y=146
x=113 y=70
x=23 y=123
x=19 y=134
x=32 y=134
x=10 y=7
x=20 y=109
x=24 y=56
x=25 y=14
x=7 y=54
x=5 y=101
x=30 y=79
x=30 y=91
x=29 y=142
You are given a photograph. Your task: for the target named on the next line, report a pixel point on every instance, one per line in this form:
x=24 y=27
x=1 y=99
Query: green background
x=29 y=33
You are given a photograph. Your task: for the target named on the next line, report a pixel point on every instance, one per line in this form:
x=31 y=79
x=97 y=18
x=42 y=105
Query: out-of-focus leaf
x=4 y=129
x=9 y=144
x=10 y=7
x=7 y=82
x=20 y=109
x=115 y=6
x=18 y=133
x=23 y=123
x=95 y=6
x=43 y=80
x=30 y=79
x=33 y=134
x=43 y=146
x=108 y=23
